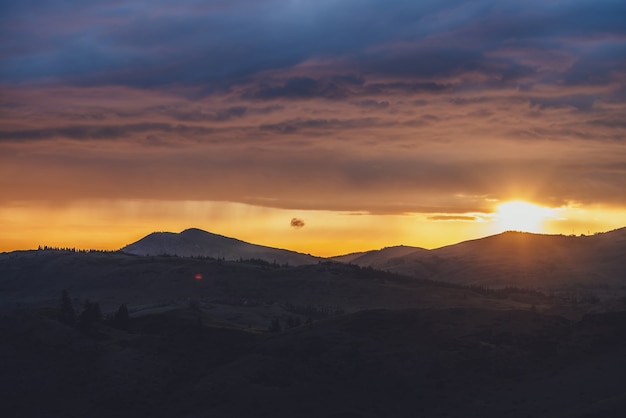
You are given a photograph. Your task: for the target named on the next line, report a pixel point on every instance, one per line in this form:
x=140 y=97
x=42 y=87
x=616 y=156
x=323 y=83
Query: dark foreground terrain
x=207 y=338
x=380 y=363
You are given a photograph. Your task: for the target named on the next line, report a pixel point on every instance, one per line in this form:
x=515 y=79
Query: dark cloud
x=199 y=114
x=597 y=65
x=195 y=132
x=461 y=101
x=480 y=114
x=459 y=95
x=100 y=132
x=583 y=102
x=425 y=63
x=299 y=125
x=147 y=44
x=297 y=223
x=300 y=88
x=405 y=87
x=371 y=103
x=609 y=123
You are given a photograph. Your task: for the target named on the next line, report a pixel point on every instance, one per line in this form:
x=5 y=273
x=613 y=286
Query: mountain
x=550 y=262
x=198 y=243
x=382 y=259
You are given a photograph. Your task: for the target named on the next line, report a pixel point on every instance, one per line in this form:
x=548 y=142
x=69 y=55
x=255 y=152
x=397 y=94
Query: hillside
x=246 y=292
x=549 y=262
x=379 y=258
x=198 y=243
x=213 y=337
x=399 y=363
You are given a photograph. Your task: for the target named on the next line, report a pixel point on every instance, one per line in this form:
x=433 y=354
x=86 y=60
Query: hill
x=243 y=292
x=213 y=337
x=198 y=243
x=399 y=363
x=549 y=262
x=378 y=258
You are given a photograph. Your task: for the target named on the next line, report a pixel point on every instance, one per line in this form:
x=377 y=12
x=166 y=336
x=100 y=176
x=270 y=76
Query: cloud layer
x=386 y=107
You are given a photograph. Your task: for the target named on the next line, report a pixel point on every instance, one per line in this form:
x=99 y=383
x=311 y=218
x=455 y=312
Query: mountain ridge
x=510 y=258
x=515 y=258
x=195 y=242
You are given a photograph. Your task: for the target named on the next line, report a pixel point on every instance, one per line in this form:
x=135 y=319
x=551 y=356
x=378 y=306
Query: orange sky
x=402 y=124
x=361 y=178
x=113 y=224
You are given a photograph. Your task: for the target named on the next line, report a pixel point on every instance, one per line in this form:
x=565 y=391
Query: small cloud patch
x=453 y=218
x=297 y=223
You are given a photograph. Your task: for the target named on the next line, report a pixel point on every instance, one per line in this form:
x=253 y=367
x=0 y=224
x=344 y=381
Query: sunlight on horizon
x=111 y=224
x=519 y=215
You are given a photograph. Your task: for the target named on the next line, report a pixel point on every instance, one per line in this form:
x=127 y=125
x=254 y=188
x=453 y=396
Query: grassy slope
x=401 y=363
x=405 y=347
x=520 y=259
x=37 y=279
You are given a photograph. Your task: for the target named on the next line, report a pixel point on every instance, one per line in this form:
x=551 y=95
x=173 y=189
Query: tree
x=90 y=315
x=194 y=305
x=121 y=319
x=293 y=322
x=96 y=312
x=67 y=314
x=199 y=329
x=275 y=327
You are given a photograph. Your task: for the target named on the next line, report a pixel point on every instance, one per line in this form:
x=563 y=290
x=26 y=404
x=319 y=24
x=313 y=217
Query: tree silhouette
x=199 y=329
x=121 y=319
x=67 y=314
x=90 y=316
x=293 y=321
x=275 y=326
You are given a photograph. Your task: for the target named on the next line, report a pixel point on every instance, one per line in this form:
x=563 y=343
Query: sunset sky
x=320 y=126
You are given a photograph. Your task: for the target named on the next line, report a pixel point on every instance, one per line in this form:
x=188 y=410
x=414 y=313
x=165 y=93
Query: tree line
x=73 y=249
x=91 y=316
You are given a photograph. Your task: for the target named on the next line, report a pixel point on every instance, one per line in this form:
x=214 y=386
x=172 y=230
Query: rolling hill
x=399 y=363
x=549 y=262
x=207 y=336
x=378 y=258
x=247 y=292
x=198 y=243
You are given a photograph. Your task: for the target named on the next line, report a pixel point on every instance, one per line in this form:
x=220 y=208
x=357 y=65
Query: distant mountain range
x=511 y=259
x=195 y=242
x=549 y=262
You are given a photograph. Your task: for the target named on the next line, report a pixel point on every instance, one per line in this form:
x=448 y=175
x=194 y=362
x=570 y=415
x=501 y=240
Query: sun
x=522 y=216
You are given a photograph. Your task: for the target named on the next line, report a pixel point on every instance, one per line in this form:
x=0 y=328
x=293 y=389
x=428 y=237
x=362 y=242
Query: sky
x=320 y=126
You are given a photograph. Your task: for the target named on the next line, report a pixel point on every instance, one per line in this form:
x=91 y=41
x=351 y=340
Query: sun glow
x=522 y=216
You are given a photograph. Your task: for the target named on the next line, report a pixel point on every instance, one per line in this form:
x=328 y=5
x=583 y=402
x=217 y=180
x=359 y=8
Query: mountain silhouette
x=195 y=242
x=511 y=259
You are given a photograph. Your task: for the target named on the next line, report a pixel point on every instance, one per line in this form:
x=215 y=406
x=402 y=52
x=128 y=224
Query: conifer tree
x=90 y=315
x=121 y=319
x=275 y=326
x=67 y=314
